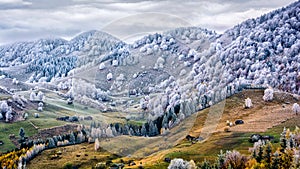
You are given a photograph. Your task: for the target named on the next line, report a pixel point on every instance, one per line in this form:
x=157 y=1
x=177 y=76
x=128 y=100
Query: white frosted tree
x=268 y=94
x=4 y=106
x=296 y=108
x=25 y=116
x=182 y=72
x=40 y=96
x=15 y=81
x=149 y=51
x=109 y=132
x=115 y=63
x=69 y=100
x=32 y=96
x=101 y=66
x=41 y=104
x=248 y=103
x=80 y=137
x=96 y=144
x=109 y=76
x=159 y=63
x=40 y=109
x=143 y=104
x=121 y=77
x=179 y=163
x=51 y=143
x=8 y=115
x=143 y=49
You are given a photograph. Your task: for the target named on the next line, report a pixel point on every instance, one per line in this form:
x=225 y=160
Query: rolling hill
x=156 y=84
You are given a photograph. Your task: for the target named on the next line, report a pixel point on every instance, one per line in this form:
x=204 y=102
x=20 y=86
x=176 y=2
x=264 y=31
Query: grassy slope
x=83 y=156
x=54 y=107
x=46 y=120
x=237 y=140
x=151 y=151
x=8 y=128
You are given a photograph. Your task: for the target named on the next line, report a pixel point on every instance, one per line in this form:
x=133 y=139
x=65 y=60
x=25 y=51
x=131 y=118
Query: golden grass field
x=263 y=118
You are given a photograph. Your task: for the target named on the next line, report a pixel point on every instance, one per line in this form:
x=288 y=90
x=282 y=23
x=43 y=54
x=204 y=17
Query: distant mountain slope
x=266 y=50
x=148 y=66
x=259 y=52
x=262 y=51
x=48 y=58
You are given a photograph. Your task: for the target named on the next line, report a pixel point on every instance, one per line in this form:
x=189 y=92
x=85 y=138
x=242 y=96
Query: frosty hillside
x=186 y=67
x=186 y=92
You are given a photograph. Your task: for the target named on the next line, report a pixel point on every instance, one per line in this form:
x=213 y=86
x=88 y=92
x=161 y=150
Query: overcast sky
x=126 y=19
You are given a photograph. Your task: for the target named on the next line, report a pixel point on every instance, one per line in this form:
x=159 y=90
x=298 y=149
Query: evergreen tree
x=260 y=153
x=291 y=142
x=268 y=154
x=275 y=161
x=93 y=125
x=72 y=138
x=283 y=140
x=143 y=130
x=126 y=130
x=22 y=133
x=286 y=159
x=80 y=137
x=51 y=143
x=221 y=159
x=253 y=155
x=165 y=121
x=55 y=139
x=205 y=165
x=114 y=131
x=153 y=131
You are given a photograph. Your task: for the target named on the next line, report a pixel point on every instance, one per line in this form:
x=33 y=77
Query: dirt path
x=33 y=125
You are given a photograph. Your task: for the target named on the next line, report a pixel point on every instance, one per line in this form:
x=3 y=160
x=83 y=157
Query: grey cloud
x=143 y=23
x=32 y=19
x=49 y=4
x=13 y=4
